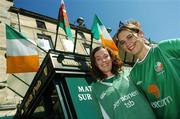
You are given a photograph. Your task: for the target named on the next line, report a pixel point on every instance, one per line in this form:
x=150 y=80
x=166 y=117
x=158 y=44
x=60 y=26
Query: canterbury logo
x=153 y=89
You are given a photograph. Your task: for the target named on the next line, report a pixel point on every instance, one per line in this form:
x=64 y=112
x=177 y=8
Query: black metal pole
x=19 y=25
x=20 y=79
x=91 y=43
x=57 y=29
x=75 y=42
x=15 y=92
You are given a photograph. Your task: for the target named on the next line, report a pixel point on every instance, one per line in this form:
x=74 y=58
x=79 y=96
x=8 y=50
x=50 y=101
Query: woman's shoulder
x=123 y=74
x=125 y=71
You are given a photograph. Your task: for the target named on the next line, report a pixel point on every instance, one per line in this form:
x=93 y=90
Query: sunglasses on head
x=121 y=24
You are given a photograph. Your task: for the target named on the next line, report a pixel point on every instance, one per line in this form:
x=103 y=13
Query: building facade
x=41 y=29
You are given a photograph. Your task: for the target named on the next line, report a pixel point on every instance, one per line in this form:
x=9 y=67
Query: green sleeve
x=171 y=47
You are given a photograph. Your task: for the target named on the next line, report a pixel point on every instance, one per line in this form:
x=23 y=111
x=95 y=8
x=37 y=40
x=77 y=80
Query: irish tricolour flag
x=21 y=54
x=100 y=33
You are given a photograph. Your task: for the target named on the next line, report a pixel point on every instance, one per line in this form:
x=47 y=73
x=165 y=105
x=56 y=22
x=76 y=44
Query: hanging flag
x=21 y=53
x=100 y=33
x=63 y=21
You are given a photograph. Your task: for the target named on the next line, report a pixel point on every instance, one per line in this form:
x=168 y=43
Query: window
x=40 y=24
x=81 y=35
x=45 y=42
x=87 y=48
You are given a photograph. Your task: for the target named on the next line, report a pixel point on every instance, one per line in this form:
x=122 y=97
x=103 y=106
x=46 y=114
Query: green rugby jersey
x=119 y=98
x=158 y=75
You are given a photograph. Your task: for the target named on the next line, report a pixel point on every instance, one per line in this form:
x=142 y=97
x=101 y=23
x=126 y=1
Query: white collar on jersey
x=138 y=60
x=107 y=83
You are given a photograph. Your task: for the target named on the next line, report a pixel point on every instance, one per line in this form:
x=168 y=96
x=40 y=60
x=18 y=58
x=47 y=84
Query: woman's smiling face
x=103 y=61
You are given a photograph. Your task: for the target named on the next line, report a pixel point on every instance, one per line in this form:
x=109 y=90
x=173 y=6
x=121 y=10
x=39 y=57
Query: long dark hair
x=116 y=63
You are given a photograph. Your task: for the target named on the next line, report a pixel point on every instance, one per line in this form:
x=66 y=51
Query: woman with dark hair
x=117 y=96
x=116 y=63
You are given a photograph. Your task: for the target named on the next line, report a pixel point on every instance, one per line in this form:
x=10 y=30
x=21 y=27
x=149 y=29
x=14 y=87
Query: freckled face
x=103 y=61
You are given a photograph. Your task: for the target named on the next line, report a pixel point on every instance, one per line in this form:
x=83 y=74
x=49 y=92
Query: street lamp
x=109 y=29
x=80 y=22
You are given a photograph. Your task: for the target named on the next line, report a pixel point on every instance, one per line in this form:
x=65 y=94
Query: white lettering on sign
x=70 y=62
x=84 y=97
x=84 y=88
x=84 y=93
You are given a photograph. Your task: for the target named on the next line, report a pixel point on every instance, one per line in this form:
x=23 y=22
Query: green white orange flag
x=100 y=33
x=63 y=21
x=21 y=54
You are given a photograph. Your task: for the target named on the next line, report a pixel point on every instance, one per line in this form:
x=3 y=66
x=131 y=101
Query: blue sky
x=160 y=19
